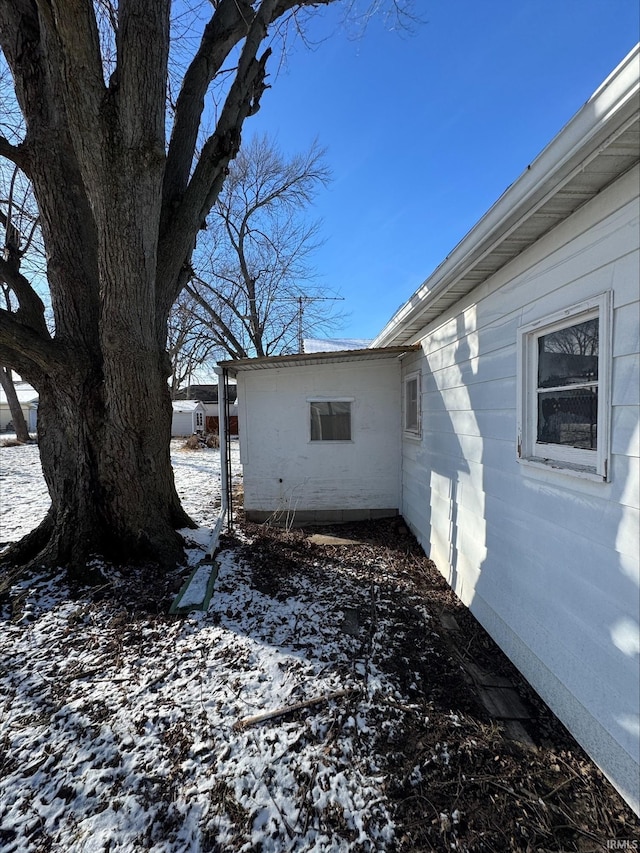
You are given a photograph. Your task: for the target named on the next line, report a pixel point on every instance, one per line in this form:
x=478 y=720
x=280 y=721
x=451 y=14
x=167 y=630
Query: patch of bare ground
x=458 y=777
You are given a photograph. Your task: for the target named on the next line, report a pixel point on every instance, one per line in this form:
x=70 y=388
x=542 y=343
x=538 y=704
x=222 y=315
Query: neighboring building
x=511 y=425
x=188 y=417
x=208 y=395
x=333 y=344
x=28 y=399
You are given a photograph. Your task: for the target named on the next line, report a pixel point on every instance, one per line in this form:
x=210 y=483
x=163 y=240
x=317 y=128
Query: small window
x=565 y=364
x=199 y=420
x=412 y=404
x=330 y=420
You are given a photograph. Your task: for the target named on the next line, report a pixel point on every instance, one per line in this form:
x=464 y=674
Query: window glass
x=569 y=418
x=569 y=356
x=330 y=421
x=411 y=405
x=568 y=386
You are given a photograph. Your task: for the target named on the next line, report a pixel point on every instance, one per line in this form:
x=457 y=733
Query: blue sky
x=425 y=131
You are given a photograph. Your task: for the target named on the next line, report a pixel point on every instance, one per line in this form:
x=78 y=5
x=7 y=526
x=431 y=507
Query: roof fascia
x=308 y=359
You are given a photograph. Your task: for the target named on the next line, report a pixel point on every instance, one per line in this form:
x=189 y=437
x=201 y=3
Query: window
x=199 y=420
x=564 y=382
x=330 y=420
x=412 y=404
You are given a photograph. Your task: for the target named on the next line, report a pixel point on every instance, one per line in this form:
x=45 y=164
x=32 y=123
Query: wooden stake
x=289 y=709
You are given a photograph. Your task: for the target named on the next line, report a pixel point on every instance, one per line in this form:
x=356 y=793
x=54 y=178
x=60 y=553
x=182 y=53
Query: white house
x=516 y=412
x=28 y=399
x=188 y=417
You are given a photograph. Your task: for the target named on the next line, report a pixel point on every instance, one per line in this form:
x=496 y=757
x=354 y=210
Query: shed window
x=565 y=365
x=330 y=420
x=199 y=420
x=412 y=404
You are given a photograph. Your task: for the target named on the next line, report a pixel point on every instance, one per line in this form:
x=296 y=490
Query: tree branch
x=72 y=23
x=31 y=311
x=141 y=73
x=25 y=349
x=227 y=27
x=17 y=154
x=223 y=333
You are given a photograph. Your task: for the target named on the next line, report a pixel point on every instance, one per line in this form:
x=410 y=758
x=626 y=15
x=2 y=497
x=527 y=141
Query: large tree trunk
x=108 y=471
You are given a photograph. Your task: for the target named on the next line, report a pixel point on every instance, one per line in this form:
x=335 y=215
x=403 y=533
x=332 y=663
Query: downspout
x=224 y=469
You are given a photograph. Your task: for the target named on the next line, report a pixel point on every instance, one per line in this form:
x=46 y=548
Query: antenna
x=301 y=300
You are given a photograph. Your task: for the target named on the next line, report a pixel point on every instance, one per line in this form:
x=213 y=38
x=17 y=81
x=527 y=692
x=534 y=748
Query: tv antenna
x=302 y=301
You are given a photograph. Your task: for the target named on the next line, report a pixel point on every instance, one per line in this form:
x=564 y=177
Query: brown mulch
x=494 y=786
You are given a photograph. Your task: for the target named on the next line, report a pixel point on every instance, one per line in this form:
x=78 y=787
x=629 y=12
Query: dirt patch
x=458 y=778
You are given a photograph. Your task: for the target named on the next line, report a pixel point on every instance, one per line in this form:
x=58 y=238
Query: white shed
x=188 y=417
x=319 y=437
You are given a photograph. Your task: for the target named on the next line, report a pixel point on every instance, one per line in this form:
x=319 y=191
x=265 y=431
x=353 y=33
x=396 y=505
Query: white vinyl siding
x=545 y=558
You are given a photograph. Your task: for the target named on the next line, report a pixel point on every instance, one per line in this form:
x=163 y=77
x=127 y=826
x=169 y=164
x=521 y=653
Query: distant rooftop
x=205 y=393
x=333 y=344
x=26 y=393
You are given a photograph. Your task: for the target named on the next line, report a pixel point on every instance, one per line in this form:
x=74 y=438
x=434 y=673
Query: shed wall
x=547 y=562
x=285 y=472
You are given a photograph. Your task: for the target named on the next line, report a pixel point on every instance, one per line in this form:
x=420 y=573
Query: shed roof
x=598 y=145
x=187 y=405
x=26 y=393
x=309 y=359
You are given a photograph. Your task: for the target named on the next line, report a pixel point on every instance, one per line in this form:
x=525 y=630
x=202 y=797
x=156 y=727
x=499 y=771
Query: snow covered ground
x=24 y=499
x=315 y=706
x=122 y=733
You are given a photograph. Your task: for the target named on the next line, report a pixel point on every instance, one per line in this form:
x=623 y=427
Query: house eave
x=314 y=358
x=597 y=146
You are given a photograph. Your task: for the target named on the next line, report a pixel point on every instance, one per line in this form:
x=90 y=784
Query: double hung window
x=564 y=383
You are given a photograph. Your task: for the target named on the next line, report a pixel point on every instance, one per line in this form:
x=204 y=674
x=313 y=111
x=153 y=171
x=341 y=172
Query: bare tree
x=254 y=281
x=121 y=200
x=189 y=343
x=19 y=226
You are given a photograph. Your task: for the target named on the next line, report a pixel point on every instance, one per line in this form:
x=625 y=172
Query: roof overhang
x=598 y=145
x=311 y=359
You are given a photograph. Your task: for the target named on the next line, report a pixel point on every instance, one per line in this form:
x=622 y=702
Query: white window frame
x=334 y=399
x=589 y=464
x=411 y=430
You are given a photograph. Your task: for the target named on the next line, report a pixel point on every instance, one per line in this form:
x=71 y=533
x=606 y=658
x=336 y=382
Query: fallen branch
x=289 y=709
